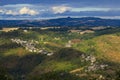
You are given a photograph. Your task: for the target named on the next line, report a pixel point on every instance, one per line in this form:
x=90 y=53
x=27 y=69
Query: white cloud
x=17 y=5
x=89 y=9
x=20 y=11
x=26 y=10
x=10 y=12
x=1 y=11
x=60 y=9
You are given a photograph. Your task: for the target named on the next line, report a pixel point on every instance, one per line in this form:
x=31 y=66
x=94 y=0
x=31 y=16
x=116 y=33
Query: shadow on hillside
x=21 y=65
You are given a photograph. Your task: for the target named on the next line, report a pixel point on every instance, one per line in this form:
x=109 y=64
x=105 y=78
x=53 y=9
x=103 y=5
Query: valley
x=60 y=53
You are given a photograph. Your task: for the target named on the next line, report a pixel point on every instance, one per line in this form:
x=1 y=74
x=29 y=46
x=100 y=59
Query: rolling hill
x=96 y=56
x=85 y=21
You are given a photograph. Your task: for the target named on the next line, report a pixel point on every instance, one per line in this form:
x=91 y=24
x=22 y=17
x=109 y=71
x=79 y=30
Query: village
x=30 y=46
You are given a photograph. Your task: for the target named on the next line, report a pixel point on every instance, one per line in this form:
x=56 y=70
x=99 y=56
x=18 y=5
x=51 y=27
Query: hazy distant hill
x=85 y=21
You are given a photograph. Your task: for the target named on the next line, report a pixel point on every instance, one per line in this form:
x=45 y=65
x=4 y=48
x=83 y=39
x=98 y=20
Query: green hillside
x=104 y=46
x=43 y=55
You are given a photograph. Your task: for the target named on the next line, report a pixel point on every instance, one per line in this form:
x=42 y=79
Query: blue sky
x=42 y=9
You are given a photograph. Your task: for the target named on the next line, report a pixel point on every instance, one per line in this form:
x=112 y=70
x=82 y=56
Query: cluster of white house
x=93 y=63
x=30 y=46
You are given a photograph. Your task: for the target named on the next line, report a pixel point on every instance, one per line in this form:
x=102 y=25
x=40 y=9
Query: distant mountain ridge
x=61 y=22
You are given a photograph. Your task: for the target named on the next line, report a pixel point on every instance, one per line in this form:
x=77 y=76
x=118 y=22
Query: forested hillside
x=55 y=54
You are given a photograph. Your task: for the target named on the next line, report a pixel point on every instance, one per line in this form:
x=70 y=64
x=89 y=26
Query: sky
x=46 y=9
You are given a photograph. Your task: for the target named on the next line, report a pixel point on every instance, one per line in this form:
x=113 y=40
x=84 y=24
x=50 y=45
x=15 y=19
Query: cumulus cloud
x=10 y=12
x=60 y=9
x=1 y=11
x=26 y=10
x=18 y=11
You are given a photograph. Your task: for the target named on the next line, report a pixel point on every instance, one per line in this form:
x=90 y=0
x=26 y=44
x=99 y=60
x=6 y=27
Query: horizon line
x=102 y=17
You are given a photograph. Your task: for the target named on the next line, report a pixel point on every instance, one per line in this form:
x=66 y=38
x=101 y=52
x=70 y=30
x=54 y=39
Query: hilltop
x=62 y=22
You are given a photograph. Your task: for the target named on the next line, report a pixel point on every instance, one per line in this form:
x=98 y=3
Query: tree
x=4 y=74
